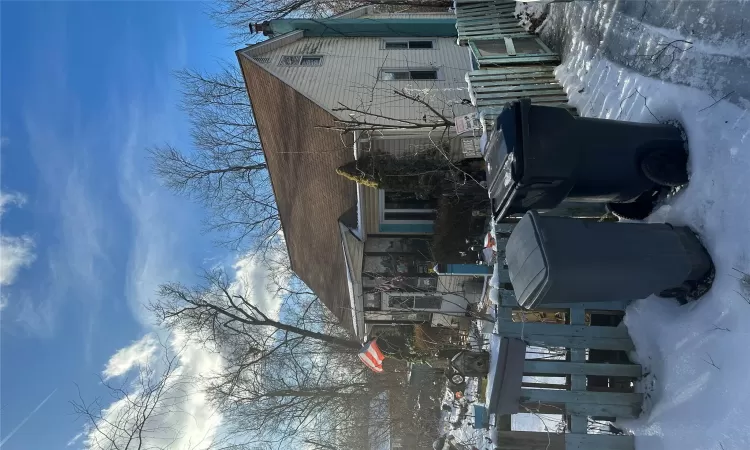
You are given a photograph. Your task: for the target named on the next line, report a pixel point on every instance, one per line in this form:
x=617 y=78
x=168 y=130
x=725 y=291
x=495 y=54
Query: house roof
x=311 y=197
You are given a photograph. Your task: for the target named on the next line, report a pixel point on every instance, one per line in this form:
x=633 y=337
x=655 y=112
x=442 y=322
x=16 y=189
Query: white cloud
x=13 y=198
x=158 y=255
x=253 y=281
x=75 y=439
x=16 y=252
x=138 y=354
x=183 y=419
x=37 y=317
x=78 y=259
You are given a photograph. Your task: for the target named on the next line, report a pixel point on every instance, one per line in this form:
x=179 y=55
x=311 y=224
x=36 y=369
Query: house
x=326 y=92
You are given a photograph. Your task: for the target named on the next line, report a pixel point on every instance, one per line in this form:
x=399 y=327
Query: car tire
x=666 y=167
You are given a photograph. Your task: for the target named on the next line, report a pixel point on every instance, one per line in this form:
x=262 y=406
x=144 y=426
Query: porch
x=581 y=353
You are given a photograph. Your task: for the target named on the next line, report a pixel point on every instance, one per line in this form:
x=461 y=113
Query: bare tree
x=226 y=171
x=218 y=312
x=135 y=419
x=433 y=118
x=287 y=377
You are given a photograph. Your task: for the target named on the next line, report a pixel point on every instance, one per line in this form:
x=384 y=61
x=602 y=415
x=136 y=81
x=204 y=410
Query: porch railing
x=487 y=20
x=496 y=86
x=599 y=376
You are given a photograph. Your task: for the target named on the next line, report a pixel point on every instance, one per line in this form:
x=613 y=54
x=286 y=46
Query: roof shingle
x=302 y=162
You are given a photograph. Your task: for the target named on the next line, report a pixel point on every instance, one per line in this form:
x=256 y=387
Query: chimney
x=261 y=28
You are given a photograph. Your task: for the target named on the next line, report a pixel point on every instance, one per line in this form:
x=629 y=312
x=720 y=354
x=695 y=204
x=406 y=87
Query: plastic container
x=538 y=156
x=565 y=260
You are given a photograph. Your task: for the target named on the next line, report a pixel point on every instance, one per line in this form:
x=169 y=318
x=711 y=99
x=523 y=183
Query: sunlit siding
x=349 y=76
x=409 y=146
x=371 y=213
x=451 y=283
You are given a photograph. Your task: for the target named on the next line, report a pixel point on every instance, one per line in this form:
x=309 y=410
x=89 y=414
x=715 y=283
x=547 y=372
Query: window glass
x=311 y=61
x=396 y=45
x=420 y=44
x=424 y=74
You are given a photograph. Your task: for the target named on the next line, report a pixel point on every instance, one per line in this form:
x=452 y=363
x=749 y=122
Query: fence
x=492 y=88
x=599 y=376
x=486 y=20
x=509 y=62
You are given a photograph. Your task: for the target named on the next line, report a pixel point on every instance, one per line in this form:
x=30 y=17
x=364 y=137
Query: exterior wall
x=349 y=75
x=370 y=205
x=356 y=253
x=371 y=217
x=460 y=289
x=409 y=144
x=411 y=15
x=274 y=44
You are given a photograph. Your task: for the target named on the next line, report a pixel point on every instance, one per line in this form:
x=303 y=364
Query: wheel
x=666 y=167
x=457 y=379
x=638 y=209
x=679 y=293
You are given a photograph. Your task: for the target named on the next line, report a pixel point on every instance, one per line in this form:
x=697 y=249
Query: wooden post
x=578 y=424
x=529 y=440
x=532 y=440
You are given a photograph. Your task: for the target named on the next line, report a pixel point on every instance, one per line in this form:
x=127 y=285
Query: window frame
x=383 y=210
x=299 y=58
x=385 y=42
x=409 y=70
x=386 y=301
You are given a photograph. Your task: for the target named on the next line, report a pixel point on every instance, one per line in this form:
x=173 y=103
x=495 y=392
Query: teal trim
x=468 y=269
x=406 y=227
x=367 y=27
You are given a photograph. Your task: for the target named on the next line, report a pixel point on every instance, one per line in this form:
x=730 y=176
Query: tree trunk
x=341 y=342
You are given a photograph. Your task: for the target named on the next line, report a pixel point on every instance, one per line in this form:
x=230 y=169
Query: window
x=409 y=216
x=372 y=301
x=311 y=61
x=421 y=44
x=413 y=301
x=408 y=74
x=262 y=59
x=301 y=60
x=407 y=207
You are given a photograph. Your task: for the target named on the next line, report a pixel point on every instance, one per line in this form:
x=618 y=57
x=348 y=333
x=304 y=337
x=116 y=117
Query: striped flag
x=372 y=356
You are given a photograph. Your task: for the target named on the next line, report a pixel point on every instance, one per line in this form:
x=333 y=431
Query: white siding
x=273 y=44
x=453 y=287
x=412 y=145
x=349 y=76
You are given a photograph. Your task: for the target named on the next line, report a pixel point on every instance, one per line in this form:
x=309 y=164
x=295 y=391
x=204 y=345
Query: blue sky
x=86 y=88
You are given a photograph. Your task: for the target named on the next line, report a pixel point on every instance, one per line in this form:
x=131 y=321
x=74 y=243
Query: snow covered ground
x=687 y=61
x=696 y=356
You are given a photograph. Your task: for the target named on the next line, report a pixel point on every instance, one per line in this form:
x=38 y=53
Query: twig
x=717 y=328
x=663 y=51
x=717 y=101
x=711 y=362
x=645 y=104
